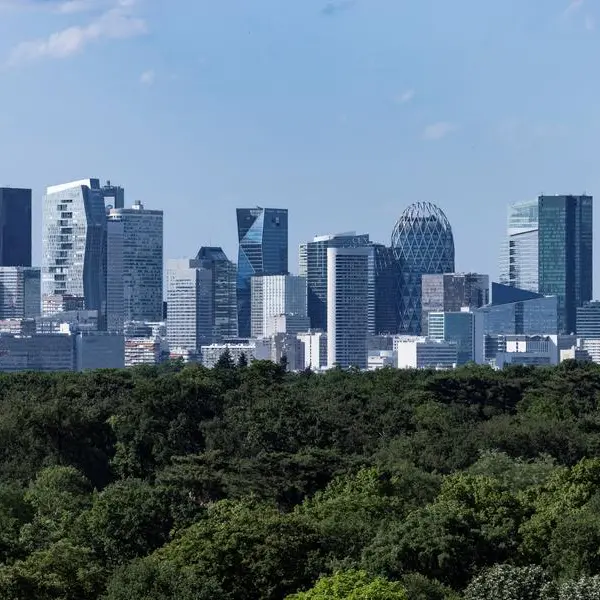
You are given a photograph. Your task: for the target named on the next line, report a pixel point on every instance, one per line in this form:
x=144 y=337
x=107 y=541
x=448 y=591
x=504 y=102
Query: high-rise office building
x=263 y=250
x=15 y=227
x=457 y=327
x=189 y=296
x=519 y=260
x=224 y=292
x=274 y=295
x=588 y=320
x=314 y=265
x=423 y=242
x=142 y=248
x=348 y=293
x=565 y=254
x=516 y=312
x=20 y=292
x=388 y=282
x=74 y=244
x=451 y=292
x=115 y=286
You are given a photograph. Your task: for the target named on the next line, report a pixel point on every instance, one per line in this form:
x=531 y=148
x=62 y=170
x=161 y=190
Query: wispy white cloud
x=405 y=97
x=590 y=23
x=119 y=21
x=148 y=77
x=439 y=130
x=574 y=6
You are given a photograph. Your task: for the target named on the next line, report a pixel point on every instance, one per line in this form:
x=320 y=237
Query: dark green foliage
x=248 y=482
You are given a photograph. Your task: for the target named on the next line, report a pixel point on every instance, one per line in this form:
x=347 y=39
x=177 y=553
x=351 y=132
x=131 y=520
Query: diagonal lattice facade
x=423 y=244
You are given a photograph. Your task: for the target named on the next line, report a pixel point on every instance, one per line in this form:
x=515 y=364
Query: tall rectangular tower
x=15 y=227
x=142 y=261
x=274 y=295
x=224 y=294
x=314 y=264
x=19 y=292
x=263 y=250
x=348 y=274
x=74 y=243
x=519 y=261
x=565 y=254
x=189 y=297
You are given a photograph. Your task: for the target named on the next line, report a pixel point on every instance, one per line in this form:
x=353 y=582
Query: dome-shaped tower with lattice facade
x=423 y=244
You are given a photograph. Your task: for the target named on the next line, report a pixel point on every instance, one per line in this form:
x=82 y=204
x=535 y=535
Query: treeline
x=250 y=483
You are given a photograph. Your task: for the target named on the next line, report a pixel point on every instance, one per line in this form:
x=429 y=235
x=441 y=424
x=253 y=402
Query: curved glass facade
x=423 y=243
x=263 y=250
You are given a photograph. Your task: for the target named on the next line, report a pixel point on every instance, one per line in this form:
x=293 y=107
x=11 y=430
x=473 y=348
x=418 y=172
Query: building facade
x=274 y=295
x=348 y=294
x=519 y=261
x=313 y=263
x=588 y=320
x=73 y=243
x=419 y=352
x=565 y=254
x=388 y=285
x=20 y=292
x=189 y=296
x=263 y=250
x=15 y=227
x=224 y=291
x=459 y=328
x=423 y=242
x=142 y=262
x=315 y=349
x=451 y=292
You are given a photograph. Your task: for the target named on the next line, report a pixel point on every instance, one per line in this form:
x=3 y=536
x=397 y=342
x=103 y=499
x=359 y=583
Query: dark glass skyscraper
x=387 y=290
x=223 y=296
x=15 y=227
x=263 y=250
x=565 y=254
x=423 y=242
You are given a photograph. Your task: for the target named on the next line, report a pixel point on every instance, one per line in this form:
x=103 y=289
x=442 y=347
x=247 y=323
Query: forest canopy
x=245 y=482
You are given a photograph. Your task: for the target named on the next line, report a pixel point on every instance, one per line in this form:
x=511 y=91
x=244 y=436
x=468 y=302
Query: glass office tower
x=348 y=292
x=142 y=247
x=15 y=227
x=519 y=263
x=451 y=292
x=73 y=243
x=565 y=254
x=423 y=242
x=313 y=264
x=224 y=294
x=263 y=250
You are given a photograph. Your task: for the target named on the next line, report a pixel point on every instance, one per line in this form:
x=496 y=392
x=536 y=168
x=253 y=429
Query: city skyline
x=412 y=102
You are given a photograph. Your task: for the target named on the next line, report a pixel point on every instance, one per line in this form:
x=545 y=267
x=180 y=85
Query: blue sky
x=344 y=112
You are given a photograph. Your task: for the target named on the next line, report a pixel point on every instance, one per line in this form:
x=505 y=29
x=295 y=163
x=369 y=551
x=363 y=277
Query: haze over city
x=343 y=112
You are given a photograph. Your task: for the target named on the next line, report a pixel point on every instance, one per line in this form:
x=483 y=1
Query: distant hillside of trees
x=249 y=483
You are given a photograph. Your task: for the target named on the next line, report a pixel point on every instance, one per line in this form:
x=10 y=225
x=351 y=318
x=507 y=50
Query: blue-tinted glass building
x=223 y=291
x=457 y=327
x=313 y=265
x=588 y=320
x=520 y=255
x=516 y=312
x=388 y=282
x=565 y=254
x=263 y=250
x=15 y=227
x=423 y=243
